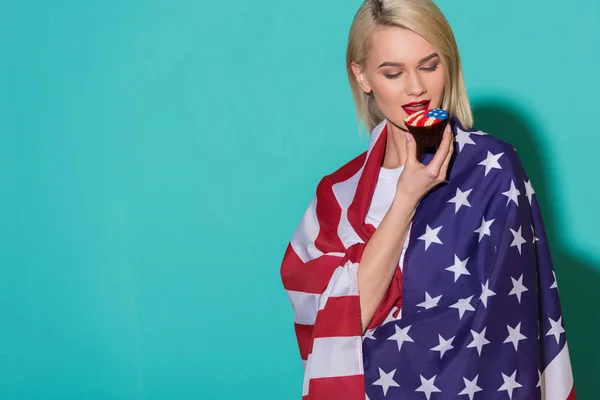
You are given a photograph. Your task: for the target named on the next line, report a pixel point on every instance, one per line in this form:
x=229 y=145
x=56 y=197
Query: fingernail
x=407 y=135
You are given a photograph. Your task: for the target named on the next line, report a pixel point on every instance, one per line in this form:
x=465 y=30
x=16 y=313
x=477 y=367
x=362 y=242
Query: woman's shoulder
x=486 y=150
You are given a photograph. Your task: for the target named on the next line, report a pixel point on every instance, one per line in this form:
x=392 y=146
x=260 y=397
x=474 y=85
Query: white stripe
x=303 y=238
x=344 y=282
x=375 y=133
x=344 y=193
x=305 y=306
x=335 y=356
x=557 y=379
x=332 y=357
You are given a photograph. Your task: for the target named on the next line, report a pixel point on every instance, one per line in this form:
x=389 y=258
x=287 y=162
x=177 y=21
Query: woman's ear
x=361 y=78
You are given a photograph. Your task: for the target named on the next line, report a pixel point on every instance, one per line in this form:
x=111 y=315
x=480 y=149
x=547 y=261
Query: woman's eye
x=394 y=76
x=430 y=69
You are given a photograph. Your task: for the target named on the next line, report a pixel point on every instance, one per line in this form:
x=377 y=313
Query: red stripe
x=366 y=186
x=340 y=317
x=338 y=388
x=348 y=170
x=304 y=335
x=310 y=277
x=572 y=394
x=329 y=214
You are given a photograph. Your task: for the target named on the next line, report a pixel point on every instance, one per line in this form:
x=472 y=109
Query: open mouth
x=414 y=107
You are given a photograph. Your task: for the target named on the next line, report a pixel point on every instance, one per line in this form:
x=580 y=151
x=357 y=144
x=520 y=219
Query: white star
x=518 y=287
x=512 y=194
x=491 y=162
x=554 y=284
x=444 y=345
x=479 y=340
x=401 y=336
x=471 y=387
x=484 y=229
x=462 y=306
x=540 y=379
x=391 y=317
x=427 y=386
x=556 y=329
x=515 y=335
x=429 y=301
x=430 y=236
x=386 y=380
x=460 y=199
x=463 y=138
x=369 y=334
x=510 y=384
x=517 y=239
x=459 y=268
x=529 y=190
x=533 y=234
x=485 y=293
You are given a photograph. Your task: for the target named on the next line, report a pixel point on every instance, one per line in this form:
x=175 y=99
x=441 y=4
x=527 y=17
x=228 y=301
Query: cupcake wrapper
x=428 y=137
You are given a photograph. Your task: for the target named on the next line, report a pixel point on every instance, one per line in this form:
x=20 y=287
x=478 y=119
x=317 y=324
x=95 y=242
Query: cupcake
x=427 y=127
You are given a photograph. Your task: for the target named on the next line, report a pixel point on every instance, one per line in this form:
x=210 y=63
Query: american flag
x=473 y=311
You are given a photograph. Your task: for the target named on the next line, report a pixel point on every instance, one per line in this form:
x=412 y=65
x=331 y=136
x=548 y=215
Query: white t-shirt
x=385 y=191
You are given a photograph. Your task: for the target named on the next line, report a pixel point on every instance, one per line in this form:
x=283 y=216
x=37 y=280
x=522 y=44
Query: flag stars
x=427 y=386
x=444 y=345
x=463 y=305
x=429 y=302
x=431 y=236
x=386 y=380
x=491 y=162
x=556 y=329
x=459 y=268
x=510 y=384
x=533 y=234
x=485 y=293
x=515 y=335
x=463 y=138
x=484 y=229
x=401 y=336
x=512 y=194
x=529 y=192
x=470 y=387
x=460 y=199
x=369 y=334
x=518 y=287
x=554 y=284
x=479 y=340
x=517 y=239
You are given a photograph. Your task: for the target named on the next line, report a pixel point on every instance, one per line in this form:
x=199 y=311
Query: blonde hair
x=424 y=18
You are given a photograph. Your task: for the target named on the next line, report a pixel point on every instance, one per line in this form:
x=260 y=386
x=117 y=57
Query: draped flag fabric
x=473 y=311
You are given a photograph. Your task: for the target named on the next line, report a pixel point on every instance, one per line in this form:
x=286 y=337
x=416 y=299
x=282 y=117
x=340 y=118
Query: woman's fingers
x=411 y=148
x=444 y=169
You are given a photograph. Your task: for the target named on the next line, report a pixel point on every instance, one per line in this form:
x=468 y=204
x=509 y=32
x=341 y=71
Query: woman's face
x=403 y=68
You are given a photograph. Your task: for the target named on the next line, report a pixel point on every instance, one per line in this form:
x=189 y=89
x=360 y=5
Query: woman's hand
x=417 y=179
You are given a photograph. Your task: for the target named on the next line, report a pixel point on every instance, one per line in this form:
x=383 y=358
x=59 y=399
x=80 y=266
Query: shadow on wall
x=578 y=279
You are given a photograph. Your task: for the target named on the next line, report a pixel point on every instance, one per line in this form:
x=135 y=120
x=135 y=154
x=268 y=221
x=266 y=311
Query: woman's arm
x=382 y=253
x=381 y=256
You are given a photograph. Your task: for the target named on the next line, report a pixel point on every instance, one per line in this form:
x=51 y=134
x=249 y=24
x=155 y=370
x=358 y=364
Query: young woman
x=423 y=277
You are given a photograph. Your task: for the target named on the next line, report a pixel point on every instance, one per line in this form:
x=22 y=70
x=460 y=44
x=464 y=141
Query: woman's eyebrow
x=395 y=64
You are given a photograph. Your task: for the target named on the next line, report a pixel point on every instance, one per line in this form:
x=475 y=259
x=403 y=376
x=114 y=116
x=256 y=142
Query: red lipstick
x=413 y=107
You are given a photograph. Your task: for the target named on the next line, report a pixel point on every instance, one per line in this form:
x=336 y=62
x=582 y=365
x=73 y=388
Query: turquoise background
x=155 y=157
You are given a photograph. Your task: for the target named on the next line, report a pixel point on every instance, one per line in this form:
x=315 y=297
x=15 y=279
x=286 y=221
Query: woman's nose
x=415 y=86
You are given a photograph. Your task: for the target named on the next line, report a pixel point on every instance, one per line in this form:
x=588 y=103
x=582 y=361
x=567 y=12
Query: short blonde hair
x=424 y=18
